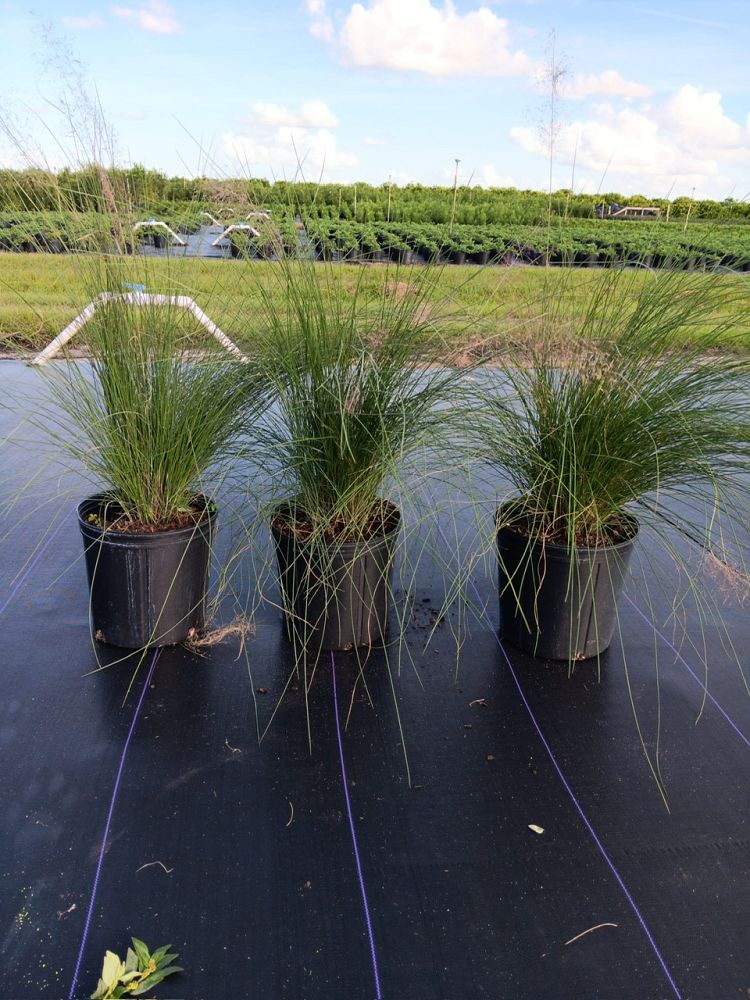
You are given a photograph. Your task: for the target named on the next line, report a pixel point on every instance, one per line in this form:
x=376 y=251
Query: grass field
x=472 y=310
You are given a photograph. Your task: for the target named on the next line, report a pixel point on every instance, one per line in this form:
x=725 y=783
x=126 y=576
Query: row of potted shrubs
x=575 y=243
x=582 y=245
x=589 y=449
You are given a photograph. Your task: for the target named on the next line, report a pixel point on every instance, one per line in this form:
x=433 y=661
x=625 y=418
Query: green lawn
x=473 y=310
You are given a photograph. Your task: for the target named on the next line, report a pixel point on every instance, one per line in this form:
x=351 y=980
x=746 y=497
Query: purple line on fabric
x=579 y=808
x=360 y=876
x=21 y=580
x=690 y=670
x=589 y=827
x=108 y=824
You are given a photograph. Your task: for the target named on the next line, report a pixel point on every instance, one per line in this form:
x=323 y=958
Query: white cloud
x=280 y=141
x=627 y=138
x=312 y=114
x=287 y=150
x=609 y=84
x=30 y=155
x=11 y=158
x=321 y=25
x=688 y=141
x=92 y=20
x=372 y=140
x=400 y=177
x=485 y=176
x=155 y=16
x=415 y=35
x=700 y=118
x=489 y=176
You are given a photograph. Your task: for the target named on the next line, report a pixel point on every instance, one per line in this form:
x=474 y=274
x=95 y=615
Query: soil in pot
x=147 y=587
x=555 y=604
x=335 y=592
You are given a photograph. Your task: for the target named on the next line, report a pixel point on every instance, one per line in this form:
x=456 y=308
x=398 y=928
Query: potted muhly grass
x=355 y=399
x=622 y=427
x=153 y=419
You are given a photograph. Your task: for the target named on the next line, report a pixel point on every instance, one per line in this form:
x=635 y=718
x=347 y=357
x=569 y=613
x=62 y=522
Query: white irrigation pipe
x=229 y=229
x=136 y=299
x=153 y=223
x=211 y=217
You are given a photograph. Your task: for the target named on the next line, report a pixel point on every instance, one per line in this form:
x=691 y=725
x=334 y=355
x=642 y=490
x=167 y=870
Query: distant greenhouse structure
x=615 y=211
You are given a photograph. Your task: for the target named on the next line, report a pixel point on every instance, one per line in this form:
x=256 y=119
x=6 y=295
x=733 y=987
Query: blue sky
x=655 y=96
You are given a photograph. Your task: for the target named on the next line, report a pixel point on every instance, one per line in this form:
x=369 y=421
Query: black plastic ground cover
x=247 y=856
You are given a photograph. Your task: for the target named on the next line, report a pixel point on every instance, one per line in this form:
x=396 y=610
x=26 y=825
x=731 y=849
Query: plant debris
x=150 y=864
x=588 y=930
x=197 y=641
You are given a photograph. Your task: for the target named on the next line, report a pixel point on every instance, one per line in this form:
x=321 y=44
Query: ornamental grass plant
x=357 y=392
x=640 y=418
x=155 y=417
x=366 y=403
x=154 y=409
x=644 y=410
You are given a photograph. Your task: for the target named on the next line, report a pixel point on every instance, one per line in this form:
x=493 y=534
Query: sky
x=650 y=97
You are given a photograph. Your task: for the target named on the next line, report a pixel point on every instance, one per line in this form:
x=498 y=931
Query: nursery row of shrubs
x=71 y=232
x=575 y=242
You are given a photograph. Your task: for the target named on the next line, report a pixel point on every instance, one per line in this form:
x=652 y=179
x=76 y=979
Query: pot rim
x=357 y=545
x=136 y=536
x=559 y=550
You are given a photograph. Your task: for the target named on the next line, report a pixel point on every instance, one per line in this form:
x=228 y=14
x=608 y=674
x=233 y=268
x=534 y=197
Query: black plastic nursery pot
x=481 y=257
x=238 y=250
x=146 y=589
x=401 y=256
x=335 y=593
x=554 y=605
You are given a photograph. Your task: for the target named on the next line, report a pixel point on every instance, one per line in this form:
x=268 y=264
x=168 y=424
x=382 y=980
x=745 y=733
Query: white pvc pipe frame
x=154 y=223
x=211 y=217
x=136 y=299
x=230 y=229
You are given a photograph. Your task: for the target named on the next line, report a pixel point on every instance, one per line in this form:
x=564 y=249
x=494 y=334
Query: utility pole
x=455 y=191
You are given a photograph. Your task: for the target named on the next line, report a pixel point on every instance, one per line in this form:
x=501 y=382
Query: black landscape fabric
x=496 y=873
